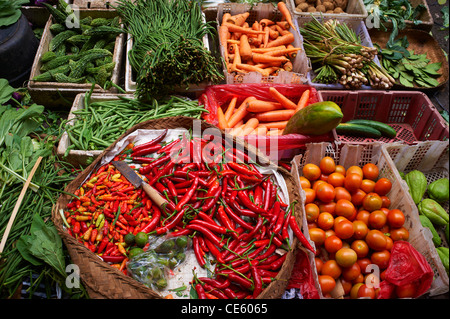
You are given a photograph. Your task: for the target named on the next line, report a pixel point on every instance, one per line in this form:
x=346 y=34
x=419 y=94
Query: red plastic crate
x=410 y=113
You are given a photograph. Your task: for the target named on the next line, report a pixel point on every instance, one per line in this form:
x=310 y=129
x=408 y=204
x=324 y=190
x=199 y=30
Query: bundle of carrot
x=265 y=46
x=259 y=117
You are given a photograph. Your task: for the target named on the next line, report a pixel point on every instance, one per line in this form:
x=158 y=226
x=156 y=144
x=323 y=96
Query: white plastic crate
x=301 y=64
x=353 y=154
x=361 y=31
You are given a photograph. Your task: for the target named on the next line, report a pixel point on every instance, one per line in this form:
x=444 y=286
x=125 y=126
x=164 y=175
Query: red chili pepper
x=153 y=222
x=185 y=199
x=214 y=291
x=200 y=291
x=248 y=203
x=211 y=226
x=183 y=184
x=214 y=250
x=172 y=223
x=278 y=263
x=225 y=221
x=199 y=254
x=244 y=282
x=257 y=281
x=159 y=161
x=76 y=227
x=113 y=259
x=102 y=245
x=168 y=147
x=208 y=234
x=230 y=293
x=267 y=194
x=164 y=171
x=237 y=219
x=252 y=233
x=171 y=187
x=215 y=283
x=280 y=217
x=241 y=169
x=146 y=151
x=298 y=233
x=268 y=273
x=191 y=175
x=150 y=143
x=181 y=232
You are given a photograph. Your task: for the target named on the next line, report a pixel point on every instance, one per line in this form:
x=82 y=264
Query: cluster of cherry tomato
x=351 y=223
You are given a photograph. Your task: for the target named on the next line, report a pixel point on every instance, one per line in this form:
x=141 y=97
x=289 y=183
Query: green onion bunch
x=338 y=56
x=168 y=50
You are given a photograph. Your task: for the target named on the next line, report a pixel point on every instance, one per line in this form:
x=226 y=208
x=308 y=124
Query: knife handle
x=154 y=195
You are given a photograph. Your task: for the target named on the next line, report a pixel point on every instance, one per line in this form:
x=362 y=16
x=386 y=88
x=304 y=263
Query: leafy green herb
x=10 y=11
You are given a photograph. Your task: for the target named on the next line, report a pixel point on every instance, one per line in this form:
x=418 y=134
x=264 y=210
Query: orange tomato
x=327 y=165
x=345 y=208
x=336 y=179
x=311 y=171
x=376 y=240
x=332 y=244
x=325 y=221
x=327 y=283
x=367 y=185
x=325 y=192
x=400 y=233
x=310 y=195
x=354 y=170
x=317 y=183
x=327 y=207
x=366 y=292
x=331 y=268
x=363 y=215
x=358 y=196
x=371 y=202
x=370 y=171
x=363 y=263
x=354 y=290
x=385 y=201
x=346 y=285
x=395 y=218
x=380 y=258
x=352 y=182
x=360 y=247
x=382 y=186
x=360 y=229
x=317 y=235
x=341 y=193
x=345 y=257
x=340 y=169
x=312 y=212
x=377 y=219
x=389 y=243
x=352 y=272
x=343 y=229
x=319 y=263
x=304 y=182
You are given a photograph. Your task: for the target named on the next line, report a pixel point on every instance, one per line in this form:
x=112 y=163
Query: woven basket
x=105 y=282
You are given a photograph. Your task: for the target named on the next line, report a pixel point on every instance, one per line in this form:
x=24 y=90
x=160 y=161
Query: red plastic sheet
x=406 y=266
x=302 y=277
x=216 y=96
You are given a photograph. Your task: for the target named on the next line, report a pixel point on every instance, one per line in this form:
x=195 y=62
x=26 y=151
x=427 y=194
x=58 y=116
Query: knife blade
x=138 y=182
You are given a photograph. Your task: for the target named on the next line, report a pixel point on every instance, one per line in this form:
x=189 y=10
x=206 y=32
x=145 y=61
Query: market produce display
x=140 y=204
x=79 y=55
x=232 y=212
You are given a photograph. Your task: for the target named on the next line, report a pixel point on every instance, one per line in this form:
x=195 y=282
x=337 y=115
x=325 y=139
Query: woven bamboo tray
x=105 y=282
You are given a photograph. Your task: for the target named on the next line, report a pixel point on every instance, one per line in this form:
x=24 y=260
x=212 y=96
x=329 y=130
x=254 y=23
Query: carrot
x=283 y=24
x=224 y=35
x=245 y=51
x=263 y=106
x=272 y=70
x=266 y=36
x=286 y=13
x=238 y=19
x=288 y=66
x=235 y=28
x=281 y=52
x=252 y=68
x=249 y=126
x=273 y=132
x=292 y=54
x=303 y=101
x=282 y=99
x=260 y=130
x=279 y=125
x=237 y=130
x=275 y=116
x=264 y=50
x=232 y=41
x=284 y=39
x=281 y=30
x=230 y=108
x=221 y=118
x=266 y=22
x=268 y=65
x=273 y=34
x=254 y=41
x=264 y=58
x=240 y=113
x=237 y=58
x=225 y=17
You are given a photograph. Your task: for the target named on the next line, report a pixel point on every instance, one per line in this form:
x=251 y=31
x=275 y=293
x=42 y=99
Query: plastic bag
x=406 y=266
x=302 y=277
x=153 y=266
x=216 y=96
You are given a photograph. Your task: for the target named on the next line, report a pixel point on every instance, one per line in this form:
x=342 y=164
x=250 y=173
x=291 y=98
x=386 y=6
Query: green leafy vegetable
x=10 y=11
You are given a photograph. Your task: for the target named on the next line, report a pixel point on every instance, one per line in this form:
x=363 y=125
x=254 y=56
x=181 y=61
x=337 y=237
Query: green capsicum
x=443 y=255
x=434 y=211
x=428 y=224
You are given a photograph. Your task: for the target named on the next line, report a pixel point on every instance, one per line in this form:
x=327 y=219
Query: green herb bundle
x=168 y=50
x=338 y=56
x=10 y=11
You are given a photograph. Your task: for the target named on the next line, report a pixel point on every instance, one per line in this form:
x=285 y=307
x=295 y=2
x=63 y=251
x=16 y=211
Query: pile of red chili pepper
x=229 y=209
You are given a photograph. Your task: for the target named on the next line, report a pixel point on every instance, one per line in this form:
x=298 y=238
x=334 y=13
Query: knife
x=138 y=182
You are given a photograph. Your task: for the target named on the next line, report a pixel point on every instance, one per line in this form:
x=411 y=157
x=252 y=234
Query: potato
x=329 y=5
x=302 y=7
x=330 y=11
x=338 y=10
x=297 y=2
x=311 y=9
x=341 y=3
x=311 y=1
x=321 y=8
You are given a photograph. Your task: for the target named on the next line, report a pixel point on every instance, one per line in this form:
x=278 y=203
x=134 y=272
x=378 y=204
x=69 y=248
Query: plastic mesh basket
x=410 y=113
x=352 y=154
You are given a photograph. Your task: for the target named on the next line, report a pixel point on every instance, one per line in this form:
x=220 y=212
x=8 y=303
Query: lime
x=165 y=247
x=141 y=239
x=129 y=239
x=134 y=252
x=161 y=283
x=182 y=241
